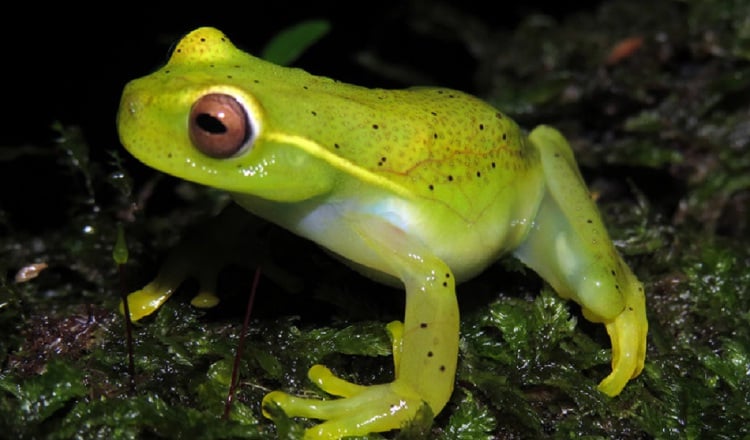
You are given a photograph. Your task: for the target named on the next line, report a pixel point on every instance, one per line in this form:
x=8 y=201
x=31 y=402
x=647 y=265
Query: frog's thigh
x=570 y=248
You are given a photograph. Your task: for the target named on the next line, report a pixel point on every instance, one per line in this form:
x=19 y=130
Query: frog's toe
x=146 y=301
x=363 y=410
x=324 y=378
x=628 y=334
x=205 y=300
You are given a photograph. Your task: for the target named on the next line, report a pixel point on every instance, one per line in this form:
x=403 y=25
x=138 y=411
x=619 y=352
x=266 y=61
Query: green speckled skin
x=422 y=187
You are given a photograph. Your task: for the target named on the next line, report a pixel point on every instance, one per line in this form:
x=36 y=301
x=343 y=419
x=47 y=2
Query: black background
x=69 y=64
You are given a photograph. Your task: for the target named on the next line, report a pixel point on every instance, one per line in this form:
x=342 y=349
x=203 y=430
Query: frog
x=421 y=188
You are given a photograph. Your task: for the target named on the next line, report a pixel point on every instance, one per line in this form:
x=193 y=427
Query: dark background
x=70 y=64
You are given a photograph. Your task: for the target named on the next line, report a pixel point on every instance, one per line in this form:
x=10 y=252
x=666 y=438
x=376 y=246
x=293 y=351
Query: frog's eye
x=219 y=126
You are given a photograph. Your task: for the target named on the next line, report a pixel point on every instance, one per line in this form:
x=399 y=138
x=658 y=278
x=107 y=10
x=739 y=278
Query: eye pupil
x=210 y=123
x=219 y=126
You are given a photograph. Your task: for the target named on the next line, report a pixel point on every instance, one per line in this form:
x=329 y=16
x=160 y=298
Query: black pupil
x=210 y=123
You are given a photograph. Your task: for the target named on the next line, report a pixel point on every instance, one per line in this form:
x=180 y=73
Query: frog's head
x=197 y=118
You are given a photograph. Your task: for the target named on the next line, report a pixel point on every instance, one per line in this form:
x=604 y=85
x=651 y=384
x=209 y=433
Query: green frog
x=421 y=187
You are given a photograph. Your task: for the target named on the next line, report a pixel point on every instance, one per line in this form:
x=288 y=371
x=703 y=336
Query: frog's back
x=438 y=144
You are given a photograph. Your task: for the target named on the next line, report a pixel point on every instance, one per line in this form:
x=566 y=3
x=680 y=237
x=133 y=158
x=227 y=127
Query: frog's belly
x=467 y=247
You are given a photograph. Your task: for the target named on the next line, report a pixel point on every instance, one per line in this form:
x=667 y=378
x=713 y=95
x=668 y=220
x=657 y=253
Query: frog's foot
x=628 y=334
x=146 y=301
x=361 y=410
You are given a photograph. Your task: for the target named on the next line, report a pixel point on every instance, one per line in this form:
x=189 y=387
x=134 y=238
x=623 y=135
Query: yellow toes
x=324 y=378
x=628 y=334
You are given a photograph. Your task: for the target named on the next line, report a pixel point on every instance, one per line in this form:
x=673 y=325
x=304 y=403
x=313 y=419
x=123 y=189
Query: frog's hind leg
x=570 y=248
x=425 y=346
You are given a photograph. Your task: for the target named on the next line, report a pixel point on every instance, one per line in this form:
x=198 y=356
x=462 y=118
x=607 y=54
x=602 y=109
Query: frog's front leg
x=425 y=347
x=201 y=255
x=187 y=260
x=570 y=248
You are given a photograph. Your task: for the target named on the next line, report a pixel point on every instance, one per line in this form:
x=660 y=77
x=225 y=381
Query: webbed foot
x=359 y=411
